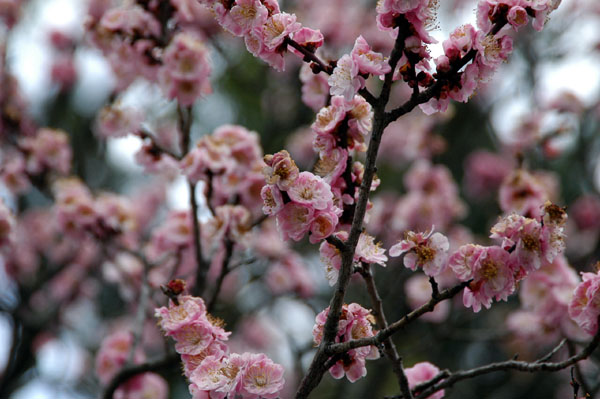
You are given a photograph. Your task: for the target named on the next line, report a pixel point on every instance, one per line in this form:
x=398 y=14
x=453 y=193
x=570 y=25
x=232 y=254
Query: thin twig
x=527 y=367
x=382 y=335
x=388 y=345
x=554 y=350
x=225 y=269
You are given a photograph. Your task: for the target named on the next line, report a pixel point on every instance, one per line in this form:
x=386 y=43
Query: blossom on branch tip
x=427 y=250
x=345 y=80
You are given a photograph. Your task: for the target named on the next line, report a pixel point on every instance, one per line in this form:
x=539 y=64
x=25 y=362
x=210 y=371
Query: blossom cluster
x=526 y=244
x=136 y=41
x=489 y=44
x=265 y=28
x=301 y=201
x=432 y=199
x=214 y=372
x=545 y=296
x=355 y=323
x=348 y=76
x=230 y=161
x=46 y=152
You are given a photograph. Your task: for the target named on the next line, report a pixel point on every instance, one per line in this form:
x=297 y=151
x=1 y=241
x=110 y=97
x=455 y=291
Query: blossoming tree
x=400 y=293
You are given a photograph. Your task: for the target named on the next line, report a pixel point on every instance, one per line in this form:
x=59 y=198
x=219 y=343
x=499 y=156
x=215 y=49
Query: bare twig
x=528 y=367
x=382 y=335
x=388 y=345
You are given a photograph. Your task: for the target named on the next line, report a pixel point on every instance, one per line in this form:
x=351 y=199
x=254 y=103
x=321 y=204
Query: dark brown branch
x=398 y=325
x=388 y=345
x=431 y=91
x=554 y=350
x=512 y=365
x=317 y=369
x=309 y=56
x=225 y=269
x=580 y=378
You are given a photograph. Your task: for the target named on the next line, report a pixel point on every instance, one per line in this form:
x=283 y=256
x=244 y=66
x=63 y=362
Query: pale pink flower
x=368 y=251
x=294 y=220
x=315 y=89
x=308 y=38
x=289 y=274
x=332 y=260
x=14 y=175
x=492 y=51
x=246 y=15
x=216 y=349
x=425 y=250
x=280 y=170
x=355 y=323
x=367 y=60
x=323 y=225
x=112 y=355
x=118 y=121
x=517 y=17
x=49 y=150
x=262 y=377
x=272 y=199
x=277 y=28
x=584 y=308
x=143 y=386
x=345 y=80
x=492 y=270
x=174 y=317
x=311 y=190
x=175 y=233
x=360 y=122
x=186 y=57
x=194 y=337
x=423 y=372
x=329 y=118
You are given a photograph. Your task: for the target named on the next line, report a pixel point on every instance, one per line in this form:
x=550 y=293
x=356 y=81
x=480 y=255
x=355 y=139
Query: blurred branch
x=125 y=374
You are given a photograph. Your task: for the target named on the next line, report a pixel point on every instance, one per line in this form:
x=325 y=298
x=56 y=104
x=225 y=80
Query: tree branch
x=388 y=345
x=130 y=372
x=398 y=325
x=527 y=367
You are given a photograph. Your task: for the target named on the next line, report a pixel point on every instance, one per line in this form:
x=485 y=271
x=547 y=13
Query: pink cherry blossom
x=367 y=60
x=345 y=80
x=280 y=170
x=584 y=308
x=428 y=251
x=294 y=220
x=492 y=270
x=246 y=15
x=277 y=28
x=311 y=190
x=423 y=372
